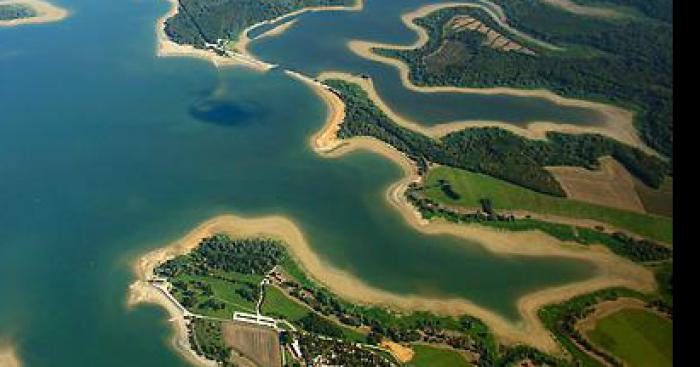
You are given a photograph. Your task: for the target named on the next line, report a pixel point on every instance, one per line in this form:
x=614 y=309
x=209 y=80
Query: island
x=18 y=12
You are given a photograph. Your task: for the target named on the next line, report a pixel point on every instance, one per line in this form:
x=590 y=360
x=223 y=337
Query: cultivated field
x=426 y=356
x=611 y=185
x=258 y=344
x=657 y=201
x=638 y=337
x=472 y=187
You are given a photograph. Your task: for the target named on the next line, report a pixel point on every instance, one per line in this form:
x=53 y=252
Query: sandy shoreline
x=166 y=47
x=611 y=270
x=243 y=41
x=47 y=13
x=618 y=122
x=8 y=356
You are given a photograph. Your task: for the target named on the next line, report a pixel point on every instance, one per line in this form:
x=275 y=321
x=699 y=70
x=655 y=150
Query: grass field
x=278 y=304
x=223 y=291
x=638 y=337
x=472 y=187
x=436 y=357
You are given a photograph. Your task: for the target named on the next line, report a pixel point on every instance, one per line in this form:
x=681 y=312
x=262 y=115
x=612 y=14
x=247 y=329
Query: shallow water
x=107 y=151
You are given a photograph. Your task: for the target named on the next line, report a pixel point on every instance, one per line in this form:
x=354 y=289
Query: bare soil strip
x=402 y=353
x=46 y=11
x=592 y=11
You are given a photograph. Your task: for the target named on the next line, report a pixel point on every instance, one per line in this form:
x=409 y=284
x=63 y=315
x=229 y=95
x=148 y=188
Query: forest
x=626 y=61
x=16 y=11
x=494 y=151
x=205 y=21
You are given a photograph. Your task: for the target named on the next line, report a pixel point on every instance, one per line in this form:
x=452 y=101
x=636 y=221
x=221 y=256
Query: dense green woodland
x=494 y=151
x=627 y=61
x=246 y=256
x=200 y=21
x=16 y=11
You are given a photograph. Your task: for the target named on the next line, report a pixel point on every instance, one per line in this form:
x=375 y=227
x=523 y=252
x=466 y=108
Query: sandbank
x=8 y=356
x=46 y=13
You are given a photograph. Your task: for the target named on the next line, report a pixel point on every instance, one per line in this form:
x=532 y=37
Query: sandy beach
x=611 y=270
x=165 y=47
x=617 y=123
x=47 y=13
x=8 y=356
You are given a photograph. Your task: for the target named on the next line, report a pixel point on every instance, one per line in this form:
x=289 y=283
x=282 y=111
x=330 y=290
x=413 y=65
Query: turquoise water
x=107 y=151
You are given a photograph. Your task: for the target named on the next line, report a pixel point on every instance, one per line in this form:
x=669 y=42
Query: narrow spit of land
x=618 y=123
x=45 y=12
x=240 y=56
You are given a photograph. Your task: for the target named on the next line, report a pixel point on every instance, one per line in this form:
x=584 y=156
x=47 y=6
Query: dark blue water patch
x=225 y=113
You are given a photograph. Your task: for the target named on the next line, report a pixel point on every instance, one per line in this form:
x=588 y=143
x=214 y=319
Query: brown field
x=611 y=185
x=657 y=201
x=258 y=344
x=494 y=39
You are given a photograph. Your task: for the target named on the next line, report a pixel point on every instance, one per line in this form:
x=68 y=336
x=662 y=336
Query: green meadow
x=436 y=357
x=471 y=187
x=638 y=337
